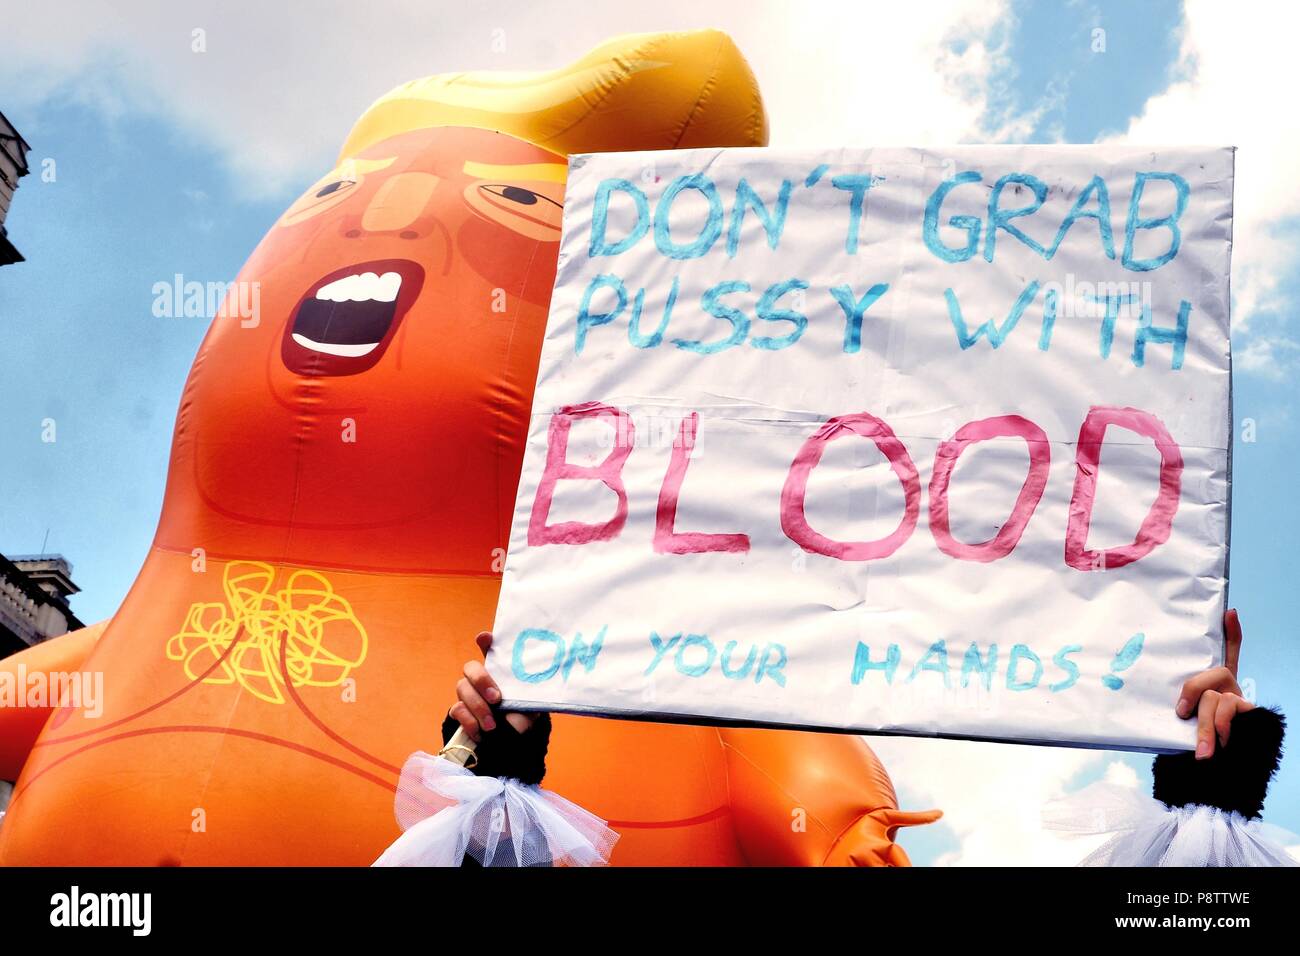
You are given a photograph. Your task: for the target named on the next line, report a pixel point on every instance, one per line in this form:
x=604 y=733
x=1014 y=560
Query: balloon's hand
x=477 y=693
x=1214 y=697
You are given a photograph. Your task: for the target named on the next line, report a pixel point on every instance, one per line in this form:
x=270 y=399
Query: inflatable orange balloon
x=342 y=480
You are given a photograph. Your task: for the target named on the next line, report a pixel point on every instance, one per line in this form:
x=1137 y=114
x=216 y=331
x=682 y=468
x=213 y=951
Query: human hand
x=477 y=693
x=1214 y=695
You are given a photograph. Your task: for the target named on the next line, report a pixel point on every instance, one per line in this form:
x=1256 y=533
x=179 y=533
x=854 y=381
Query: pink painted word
x=667 y=539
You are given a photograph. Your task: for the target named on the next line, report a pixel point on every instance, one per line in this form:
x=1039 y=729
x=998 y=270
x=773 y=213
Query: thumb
x=1231 y=640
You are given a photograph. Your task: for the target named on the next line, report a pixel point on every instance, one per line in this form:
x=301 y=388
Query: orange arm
x=805 y=799
x=21 y=725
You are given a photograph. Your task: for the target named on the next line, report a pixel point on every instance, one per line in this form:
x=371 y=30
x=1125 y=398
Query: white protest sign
x=885 y=440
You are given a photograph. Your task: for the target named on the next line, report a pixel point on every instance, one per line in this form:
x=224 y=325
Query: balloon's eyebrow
x=538 y=172
x=354 y=167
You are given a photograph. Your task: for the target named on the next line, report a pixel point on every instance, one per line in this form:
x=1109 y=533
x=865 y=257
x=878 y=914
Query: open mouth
x=345 y=321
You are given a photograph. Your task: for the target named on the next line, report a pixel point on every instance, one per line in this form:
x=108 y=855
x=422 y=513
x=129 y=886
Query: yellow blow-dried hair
x=642 y=91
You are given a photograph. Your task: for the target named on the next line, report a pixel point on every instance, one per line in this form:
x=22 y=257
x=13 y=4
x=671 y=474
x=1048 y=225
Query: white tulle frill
x=446 y=812
x=1145 y=832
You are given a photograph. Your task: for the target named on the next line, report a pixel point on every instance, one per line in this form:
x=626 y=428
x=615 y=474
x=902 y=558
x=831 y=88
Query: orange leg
x=20 y=724
x=804 y=799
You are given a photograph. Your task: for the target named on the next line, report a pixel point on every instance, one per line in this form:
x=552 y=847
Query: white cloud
x=1233 y=89
x=279 y=85
x=866 y=74
x=993 y=795
x=1267 y=356
x=1121 y=774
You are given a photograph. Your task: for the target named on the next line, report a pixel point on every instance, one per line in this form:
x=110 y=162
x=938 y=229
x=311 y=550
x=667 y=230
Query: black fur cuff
x=505 y=752
x=1236 y=778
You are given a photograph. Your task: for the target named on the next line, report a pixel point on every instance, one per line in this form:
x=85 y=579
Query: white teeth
x=330 y=348
x=362 y=287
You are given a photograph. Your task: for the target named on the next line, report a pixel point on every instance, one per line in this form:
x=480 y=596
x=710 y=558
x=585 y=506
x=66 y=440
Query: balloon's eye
x=534 y=211
x=524 y=196
x=333 y=188
x=518 y=194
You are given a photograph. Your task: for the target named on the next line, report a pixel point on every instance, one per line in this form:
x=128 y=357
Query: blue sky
x=167 y=161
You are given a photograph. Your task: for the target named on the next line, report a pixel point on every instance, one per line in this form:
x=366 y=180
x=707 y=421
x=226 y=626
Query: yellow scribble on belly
x=323 y=639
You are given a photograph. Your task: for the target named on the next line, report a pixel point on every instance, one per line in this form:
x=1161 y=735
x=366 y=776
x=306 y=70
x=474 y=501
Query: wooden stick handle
x=460 y=749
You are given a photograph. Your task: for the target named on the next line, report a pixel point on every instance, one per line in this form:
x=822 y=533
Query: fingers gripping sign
x=1214 y=695
x=477 y=693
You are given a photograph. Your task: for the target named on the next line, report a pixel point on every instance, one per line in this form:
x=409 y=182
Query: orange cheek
x=506 y=260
